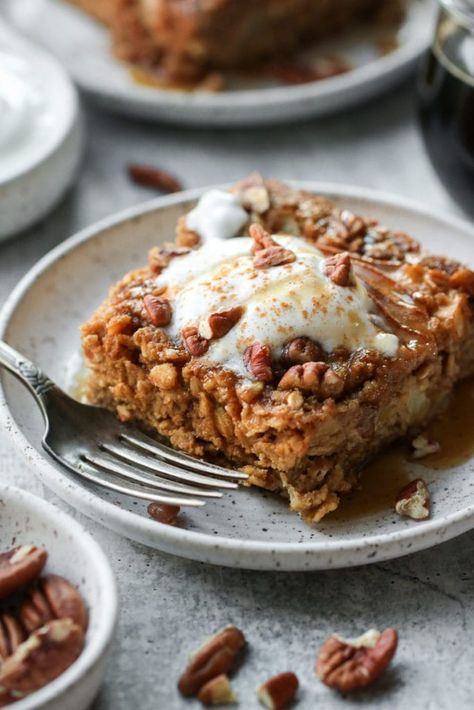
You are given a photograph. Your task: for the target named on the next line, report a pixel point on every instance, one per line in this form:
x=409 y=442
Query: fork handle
x=31 y=376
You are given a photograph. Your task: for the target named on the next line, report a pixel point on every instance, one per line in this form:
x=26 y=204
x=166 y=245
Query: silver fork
x=93 y=444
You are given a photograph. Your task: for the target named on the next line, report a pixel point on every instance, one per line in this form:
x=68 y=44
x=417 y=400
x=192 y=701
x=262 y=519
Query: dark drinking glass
x=446 y=100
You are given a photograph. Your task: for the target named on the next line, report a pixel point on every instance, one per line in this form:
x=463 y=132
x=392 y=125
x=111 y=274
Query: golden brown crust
x=307 y=441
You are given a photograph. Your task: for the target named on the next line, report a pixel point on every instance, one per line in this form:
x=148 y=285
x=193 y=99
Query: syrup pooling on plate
x=388 y=473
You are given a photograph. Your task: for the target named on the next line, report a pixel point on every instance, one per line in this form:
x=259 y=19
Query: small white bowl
x=27 y=519
x=41 y=135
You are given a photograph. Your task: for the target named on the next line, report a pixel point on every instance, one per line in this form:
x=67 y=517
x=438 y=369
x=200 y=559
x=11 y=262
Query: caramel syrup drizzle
x=387 y=474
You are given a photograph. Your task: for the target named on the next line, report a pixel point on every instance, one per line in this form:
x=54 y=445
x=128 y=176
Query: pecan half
x=261 y=238
x=163 y=513
x=338 y=268
x=46 y=654
x=278 y=692
x=257 y=360
x=64 y=599
x=53 y=597
x=414 y=501
x=12 y=635
x=160 y=257
x=331 y=384
x=158 y=310
x=216 y=656
x=19 y=567
x=35 y=610
x=217 y=691
x=273 y=256
x=306 y=377
x=253 y=194
x=354 y=225
x=349 y=664
x=301 y=350
x=193 y=342
x=218 y=324
x=156 y=178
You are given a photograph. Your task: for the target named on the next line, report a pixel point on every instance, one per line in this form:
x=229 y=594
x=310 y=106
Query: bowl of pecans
x=58 y=607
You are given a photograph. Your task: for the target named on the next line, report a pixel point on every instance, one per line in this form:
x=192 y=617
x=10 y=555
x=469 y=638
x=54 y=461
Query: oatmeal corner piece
x=285 y=333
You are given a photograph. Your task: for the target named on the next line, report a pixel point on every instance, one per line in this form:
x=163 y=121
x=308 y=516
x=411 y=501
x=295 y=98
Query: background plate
x=248 y=528
x=84 y=48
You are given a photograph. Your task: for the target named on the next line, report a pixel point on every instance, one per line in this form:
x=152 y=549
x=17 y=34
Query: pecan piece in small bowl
x=19 y=567
x=355 y=663
x=52 y=597
x=12 y=635
x=45 y=654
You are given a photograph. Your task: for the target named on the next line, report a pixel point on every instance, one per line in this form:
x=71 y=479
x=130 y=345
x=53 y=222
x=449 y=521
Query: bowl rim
x=249 y=554
x=99 y=641
x=69 y=95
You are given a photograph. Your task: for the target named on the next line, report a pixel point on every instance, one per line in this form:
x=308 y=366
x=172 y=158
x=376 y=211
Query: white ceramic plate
x=84 y=47
x=247 y=528
x=72 y=553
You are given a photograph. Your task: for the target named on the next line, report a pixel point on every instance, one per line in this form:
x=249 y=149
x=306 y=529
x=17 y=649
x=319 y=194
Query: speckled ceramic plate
x=247 y=528
x=84 y=48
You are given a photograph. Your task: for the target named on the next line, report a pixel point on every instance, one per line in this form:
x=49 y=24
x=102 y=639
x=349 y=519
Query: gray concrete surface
x=168 y=604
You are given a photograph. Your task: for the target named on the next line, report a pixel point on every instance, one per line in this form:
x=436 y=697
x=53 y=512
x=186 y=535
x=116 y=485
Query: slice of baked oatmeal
x=296 y=351
x=189 y=38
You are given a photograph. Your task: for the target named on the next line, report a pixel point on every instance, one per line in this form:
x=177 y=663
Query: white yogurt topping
x=217 y=215
x=281 y=302
x=27 y=117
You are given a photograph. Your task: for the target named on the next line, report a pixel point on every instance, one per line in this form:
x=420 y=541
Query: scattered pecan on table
x=347 y=664
x=216 y=657
x=149 y=176
x=279 y=691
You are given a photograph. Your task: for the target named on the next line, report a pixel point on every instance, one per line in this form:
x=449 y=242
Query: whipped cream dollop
x=217 y=215
x=26 y=114
x=280 y=303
